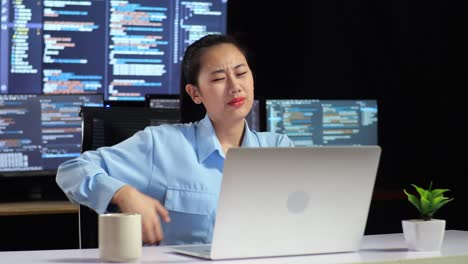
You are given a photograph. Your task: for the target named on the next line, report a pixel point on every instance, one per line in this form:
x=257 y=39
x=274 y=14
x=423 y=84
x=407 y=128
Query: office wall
x=406 y=54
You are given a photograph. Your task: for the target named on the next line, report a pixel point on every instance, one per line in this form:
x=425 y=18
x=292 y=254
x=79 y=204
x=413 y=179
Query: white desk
x=386 y=249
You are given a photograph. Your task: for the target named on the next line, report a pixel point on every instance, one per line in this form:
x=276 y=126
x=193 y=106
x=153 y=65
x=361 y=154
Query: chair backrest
x=107 y=126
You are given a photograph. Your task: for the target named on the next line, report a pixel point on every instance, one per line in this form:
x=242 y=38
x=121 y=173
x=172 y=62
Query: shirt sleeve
x=93 y=178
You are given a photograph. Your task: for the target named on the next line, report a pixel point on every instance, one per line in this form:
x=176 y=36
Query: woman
x=171 y=174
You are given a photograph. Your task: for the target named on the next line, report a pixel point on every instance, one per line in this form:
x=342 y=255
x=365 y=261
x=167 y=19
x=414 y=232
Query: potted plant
x=425 y=233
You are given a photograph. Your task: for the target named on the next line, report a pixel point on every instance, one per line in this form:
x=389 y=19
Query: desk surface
x=389 y=248
x=38 y=207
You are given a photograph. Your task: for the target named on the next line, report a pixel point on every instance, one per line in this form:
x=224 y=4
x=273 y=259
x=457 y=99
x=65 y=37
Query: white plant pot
x=423 y=235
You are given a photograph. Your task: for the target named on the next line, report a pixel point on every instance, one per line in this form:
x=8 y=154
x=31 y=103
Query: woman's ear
x=192 y=90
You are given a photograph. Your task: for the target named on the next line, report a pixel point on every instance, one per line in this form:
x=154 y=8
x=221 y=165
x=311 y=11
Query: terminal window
x=38 y=132
x=123 y=49
x=310 y=122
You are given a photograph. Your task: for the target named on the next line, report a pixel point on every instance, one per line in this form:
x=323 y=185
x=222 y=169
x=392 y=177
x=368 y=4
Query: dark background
x=405 y=54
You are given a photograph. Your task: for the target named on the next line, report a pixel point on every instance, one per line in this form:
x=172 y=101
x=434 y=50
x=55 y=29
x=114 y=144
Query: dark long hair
x=190 y=69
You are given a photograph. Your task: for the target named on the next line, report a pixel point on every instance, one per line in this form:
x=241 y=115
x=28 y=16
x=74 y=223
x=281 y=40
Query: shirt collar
x=250 y=140
x=208 y=143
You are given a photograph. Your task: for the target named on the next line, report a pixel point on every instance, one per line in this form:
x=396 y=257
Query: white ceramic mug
x=120 y=237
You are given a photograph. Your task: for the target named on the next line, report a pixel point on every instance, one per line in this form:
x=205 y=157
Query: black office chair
x=107 y=126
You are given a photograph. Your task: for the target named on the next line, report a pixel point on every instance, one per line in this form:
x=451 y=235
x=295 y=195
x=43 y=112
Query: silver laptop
x=291 y=201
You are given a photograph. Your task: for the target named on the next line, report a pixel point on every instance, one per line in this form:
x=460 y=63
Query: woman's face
x=225 y=84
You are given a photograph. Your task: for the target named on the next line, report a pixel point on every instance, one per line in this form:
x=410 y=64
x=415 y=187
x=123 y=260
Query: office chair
x=107 y=126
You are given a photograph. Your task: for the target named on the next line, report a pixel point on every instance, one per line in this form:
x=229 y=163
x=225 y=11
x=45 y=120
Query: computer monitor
x=38 y=132
x=123 y=49
x=171 y=101
x=312 y=122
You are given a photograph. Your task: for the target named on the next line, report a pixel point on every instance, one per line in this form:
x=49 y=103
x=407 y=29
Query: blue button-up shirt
x=180 y=165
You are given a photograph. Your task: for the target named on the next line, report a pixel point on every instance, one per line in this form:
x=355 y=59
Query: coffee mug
x=120 y=238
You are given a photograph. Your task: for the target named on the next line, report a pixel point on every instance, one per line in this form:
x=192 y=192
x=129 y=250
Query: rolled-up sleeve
x=93 y=178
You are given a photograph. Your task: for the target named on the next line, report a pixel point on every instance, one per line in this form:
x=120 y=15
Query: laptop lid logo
x=297 y=202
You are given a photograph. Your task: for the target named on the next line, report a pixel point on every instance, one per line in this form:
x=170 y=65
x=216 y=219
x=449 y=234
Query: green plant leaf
x=438 y=192
x=429 y=200
x=427 y=195
x=441 y=203
x=425 y=206
x=420 y=190
x=414 y=200
x=439 y=199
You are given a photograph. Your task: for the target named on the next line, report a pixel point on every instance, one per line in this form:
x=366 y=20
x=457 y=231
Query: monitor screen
x=122 y=49
x=167 y=101
x=38 y=132
x=310 y=122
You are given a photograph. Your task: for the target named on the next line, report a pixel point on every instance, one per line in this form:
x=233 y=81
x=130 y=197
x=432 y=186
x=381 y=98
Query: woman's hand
x=130 y=200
